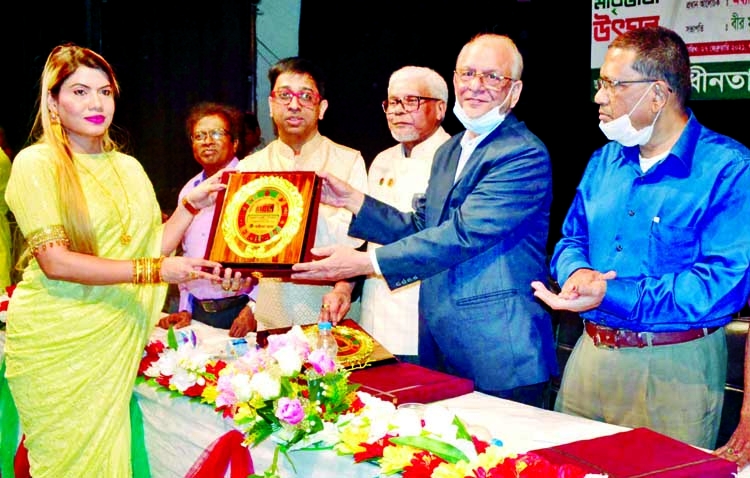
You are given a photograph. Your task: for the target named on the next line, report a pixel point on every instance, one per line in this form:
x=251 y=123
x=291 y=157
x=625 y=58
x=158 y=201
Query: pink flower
x=290 y=410
x=321 y=362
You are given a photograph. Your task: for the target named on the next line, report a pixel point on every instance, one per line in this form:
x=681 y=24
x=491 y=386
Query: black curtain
x=167 y=56
x=379 y=37
x=170 y=55
x=376 y=38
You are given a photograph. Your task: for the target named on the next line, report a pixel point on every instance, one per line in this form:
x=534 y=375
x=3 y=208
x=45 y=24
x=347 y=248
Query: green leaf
x=171 y=338
x=444 y=450
x=461 y=432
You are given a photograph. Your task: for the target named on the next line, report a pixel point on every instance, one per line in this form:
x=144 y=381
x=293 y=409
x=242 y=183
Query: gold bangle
x=147 y=270
x=189 y=207
x=157 y=270
x=138 y=271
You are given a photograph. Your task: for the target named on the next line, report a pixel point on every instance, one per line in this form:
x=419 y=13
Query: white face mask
x=485 y=123
x=621 y=129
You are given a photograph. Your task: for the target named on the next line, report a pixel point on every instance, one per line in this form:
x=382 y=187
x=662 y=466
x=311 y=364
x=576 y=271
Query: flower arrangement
x=286 y=391
x=436 y=444
x=4 y=300
x=300 y=398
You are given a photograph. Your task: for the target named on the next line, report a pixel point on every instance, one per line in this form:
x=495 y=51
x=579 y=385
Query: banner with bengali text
x=717 y=34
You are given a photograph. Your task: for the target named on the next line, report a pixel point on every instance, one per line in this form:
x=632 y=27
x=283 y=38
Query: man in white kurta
x=415 y=108
x=297 y=103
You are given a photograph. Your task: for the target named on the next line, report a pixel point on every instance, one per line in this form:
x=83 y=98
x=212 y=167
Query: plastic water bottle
x=326 y=340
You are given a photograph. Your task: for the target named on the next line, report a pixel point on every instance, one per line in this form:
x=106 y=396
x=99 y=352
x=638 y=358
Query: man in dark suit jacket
x=475 y=241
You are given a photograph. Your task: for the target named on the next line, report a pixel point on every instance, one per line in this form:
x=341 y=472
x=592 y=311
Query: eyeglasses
x=408 y=103
x=491 y=79
x=305 y=98
x=612 y=84
x=215 y=134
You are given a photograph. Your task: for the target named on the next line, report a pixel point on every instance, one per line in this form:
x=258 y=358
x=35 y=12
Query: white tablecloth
x=177 y=430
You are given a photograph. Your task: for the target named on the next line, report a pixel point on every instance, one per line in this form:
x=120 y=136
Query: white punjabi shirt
x=391 y=316
x=284 y=303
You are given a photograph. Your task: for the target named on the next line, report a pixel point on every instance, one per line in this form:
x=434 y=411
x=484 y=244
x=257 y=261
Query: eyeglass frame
x=216 y=134
x=297 y=94
x=400 y=101
x=478 y=74
x=610 y=85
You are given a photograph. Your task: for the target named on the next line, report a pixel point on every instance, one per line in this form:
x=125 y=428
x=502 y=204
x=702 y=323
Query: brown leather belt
x=607 y=337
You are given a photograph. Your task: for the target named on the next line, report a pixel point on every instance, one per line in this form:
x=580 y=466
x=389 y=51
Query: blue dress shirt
x=677 y=236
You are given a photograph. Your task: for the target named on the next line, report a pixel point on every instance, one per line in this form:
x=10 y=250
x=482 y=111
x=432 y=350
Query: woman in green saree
x=96 y=279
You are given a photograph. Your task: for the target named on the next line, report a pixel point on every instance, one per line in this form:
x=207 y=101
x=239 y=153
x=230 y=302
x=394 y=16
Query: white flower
x=264 y=384
x=184 y=379
x=406 y=422
x=191 y=358
x=167 y=363
x=289 y=361
x=241 y=387
x=438 y=420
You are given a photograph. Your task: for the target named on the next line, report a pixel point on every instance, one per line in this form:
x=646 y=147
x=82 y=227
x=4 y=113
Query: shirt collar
x=430 y=144
x=230 y=165
x=312 y=145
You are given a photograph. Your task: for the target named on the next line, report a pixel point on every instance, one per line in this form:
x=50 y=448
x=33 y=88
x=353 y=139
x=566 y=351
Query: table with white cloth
x=177 y=429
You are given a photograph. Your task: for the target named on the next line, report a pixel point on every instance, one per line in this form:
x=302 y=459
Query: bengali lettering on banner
x=717 y=33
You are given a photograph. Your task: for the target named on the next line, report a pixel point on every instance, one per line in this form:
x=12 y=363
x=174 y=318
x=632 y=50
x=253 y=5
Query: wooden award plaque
x=265 y=222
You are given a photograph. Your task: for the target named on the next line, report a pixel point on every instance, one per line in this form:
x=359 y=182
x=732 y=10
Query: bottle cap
x=324 y=326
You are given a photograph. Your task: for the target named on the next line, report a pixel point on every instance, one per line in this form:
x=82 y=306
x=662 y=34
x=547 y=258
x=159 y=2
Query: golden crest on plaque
x=263 y=217
x=265 y=221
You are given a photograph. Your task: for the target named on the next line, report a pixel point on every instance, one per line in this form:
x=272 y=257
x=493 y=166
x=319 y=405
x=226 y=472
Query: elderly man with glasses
x=653 y=252
x=414 y=110
x=476 y=240
x=214 y=133
x=297 y=103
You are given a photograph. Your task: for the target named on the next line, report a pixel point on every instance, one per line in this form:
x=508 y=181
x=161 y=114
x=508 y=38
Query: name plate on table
x=264 y=222
x=640 y=453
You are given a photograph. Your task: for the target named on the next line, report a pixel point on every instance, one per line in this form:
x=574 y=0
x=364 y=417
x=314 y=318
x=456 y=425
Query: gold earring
x=53 y=117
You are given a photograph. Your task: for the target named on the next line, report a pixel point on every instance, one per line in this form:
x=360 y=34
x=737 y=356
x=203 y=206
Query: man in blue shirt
x=654 y=254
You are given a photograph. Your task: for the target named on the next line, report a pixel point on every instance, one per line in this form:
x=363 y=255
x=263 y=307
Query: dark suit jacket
x=476 y=245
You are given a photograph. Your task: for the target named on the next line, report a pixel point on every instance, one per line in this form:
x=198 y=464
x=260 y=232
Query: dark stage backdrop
x=169 y=55
x=377 y=38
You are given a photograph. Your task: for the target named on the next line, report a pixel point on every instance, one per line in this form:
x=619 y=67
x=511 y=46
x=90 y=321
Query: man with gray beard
x=415 y=109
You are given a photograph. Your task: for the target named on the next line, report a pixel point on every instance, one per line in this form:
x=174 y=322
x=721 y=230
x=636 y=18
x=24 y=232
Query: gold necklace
x=125 y=238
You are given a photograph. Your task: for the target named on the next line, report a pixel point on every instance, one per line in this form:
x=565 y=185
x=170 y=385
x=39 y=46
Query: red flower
x=194 y=391
x=372 y=450
x=214 y=369
x=150 y=355
x=422 y=465
x=356 y=405
x=163 y=380
x=479 y=445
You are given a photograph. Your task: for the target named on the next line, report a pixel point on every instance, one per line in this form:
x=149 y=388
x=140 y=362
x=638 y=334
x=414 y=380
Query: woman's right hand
x=177 y=269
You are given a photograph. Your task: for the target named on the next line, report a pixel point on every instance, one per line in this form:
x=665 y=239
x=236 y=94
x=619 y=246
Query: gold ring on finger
x=193 y=275
x=730 y=450
x=325 y=306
